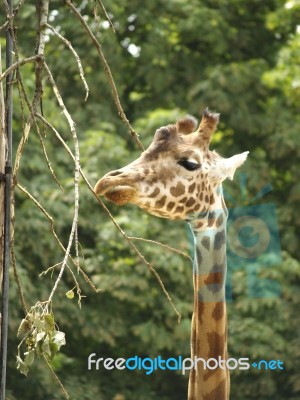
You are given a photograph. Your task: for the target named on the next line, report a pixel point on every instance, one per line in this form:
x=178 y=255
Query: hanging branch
x=107 y=71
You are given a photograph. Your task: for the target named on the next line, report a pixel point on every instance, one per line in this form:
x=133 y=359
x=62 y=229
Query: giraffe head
x=177 y=176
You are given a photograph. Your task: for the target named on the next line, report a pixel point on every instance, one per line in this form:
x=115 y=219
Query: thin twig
x=38 y=204
x=162 y=245
x=77 y=58
x=17 y=8
x=76 y=179
x=132 y=245
x=16 y=274
x=47 y=159
x=51 y=221
x=17 y=65
x=56 y=378
x=50 y=269
x=42 y=7
x=106 y=15
x=22 y=91
x=78 y=290
x=107 y=71
x=14 y=13
x=4 y=25
x=48 y=216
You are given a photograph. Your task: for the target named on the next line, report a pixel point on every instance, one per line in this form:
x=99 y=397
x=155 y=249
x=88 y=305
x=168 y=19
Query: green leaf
x=49 y=322
x=22 y=366
x=24 y=327
x=70 y=294
x=29 y=357
x=53 y=350
x=40 y=337
x=59 y=339
x=46 y=348
x=38 y=322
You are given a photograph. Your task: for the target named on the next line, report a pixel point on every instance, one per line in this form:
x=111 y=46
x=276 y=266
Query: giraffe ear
x=186 y=125
x=226 y=167
x=208 y=124
x=231 y=164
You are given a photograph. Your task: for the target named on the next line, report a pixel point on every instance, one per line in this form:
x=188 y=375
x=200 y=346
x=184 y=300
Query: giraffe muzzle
x=116 y=187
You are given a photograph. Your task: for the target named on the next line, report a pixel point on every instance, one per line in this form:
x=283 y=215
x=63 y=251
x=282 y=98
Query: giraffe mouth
x=116 y=190
x=121 y=194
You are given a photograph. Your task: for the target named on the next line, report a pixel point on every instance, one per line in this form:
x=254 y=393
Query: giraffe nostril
x=114 y=173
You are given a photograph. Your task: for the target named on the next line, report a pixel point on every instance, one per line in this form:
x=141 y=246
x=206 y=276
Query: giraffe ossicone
x=179 y=177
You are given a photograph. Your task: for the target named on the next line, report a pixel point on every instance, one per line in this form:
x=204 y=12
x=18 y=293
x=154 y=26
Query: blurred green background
x=238 y=57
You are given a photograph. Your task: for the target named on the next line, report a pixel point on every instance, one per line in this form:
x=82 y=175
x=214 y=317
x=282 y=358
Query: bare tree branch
x=76 y=178
x=52 y=228
x=56 y=378
x=14 y=13
x=42 y=11
x=16 y=65
x=162 y=245
x=77 y=58
x=20 y=288
x=107 y=71
x=106 y=14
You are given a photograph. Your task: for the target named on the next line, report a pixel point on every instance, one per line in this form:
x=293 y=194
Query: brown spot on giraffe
x=197 y=207
x=161 y=202
x=219 y=392
x=170 y=205
x=218 y=311
x=177 y=190
x=206 y=242
x=155 y=192
x=184 y=201
x=179 y=209
x=190 y=202
x=192 y=188
x=216 y=344
x=214 y=278
x=219 y=240
x=219 y=221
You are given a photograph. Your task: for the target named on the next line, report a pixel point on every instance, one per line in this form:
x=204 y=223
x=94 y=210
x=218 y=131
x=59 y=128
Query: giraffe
x=179 y=178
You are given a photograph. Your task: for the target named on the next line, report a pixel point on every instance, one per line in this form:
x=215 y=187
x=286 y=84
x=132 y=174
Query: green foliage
x=40 y=337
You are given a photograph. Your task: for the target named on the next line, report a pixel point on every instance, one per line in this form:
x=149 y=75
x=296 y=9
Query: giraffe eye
x=189 y=165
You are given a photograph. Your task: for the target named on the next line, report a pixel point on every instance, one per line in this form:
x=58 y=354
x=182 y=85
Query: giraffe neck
x=209 y=322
